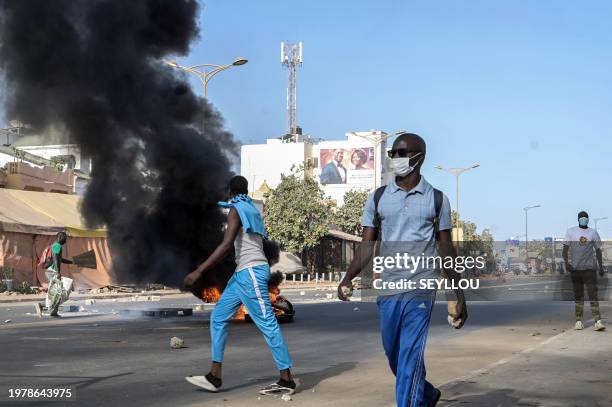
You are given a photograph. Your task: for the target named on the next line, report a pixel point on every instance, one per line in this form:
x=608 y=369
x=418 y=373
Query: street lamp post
x=526 y=209
x=457 y=172
x=597 y=220
x=205 y=72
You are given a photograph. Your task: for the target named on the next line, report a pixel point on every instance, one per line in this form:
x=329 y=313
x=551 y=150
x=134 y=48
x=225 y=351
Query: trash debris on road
x=356 y=309
x=302 y=292
x=7 y=321
x=69 y=308
x=112 y=289
x=176 y=342
x=329 y=296
x=90 y=301
x=286 y=397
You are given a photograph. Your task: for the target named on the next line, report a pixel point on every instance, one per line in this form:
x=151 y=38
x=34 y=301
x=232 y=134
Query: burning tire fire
x=283 y=309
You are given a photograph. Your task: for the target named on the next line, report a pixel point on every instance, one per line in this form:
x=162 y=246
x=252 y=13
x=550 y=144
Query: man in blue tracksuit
x=408 y=216
x=248 y=285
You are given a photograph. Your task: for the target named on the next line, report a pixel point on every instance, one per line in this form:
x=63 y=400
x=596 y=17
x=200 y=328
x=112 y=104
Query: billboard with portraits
x=352 y=166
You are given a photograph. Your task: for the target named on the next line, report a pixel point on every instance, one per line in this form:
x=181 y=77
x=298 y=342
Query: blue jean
x=404 y=324
x=248 y=287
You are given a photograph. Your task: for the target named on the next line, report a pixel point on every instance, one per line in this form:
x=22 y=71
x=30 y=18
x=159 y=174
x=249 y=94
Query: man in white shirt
x=585 y=246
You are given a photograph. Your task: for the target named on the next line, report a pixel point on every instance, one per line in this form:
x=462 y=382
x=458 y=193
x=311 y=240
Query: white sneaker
x=599 y=326
x=202 y=381
x=579 y=326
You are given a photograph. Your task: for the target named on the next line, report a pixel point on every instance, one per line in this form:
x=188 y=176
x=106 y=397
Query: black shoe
x=279 y=388
x=56 y=315
x=436 y=398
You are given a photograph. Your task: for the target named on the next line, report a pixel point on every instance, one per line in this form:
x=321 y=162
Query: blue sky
x=521 y=87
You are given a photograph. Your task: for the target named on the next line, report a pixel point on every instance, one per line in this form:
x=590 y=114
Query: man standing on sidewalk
x=585 y=246
x=408 y=216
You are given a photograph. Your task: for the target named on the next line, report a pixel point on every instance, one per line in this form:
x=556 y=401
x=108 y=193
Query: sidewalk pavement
x=573 y=368
x=77 y=297
x=540 y=363
x=4 y=298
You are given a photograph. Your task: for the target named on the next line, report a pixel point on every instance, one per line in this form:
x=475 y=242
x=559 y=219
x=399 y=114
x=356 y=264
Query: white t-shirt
x=582 y=243
x=249 y=250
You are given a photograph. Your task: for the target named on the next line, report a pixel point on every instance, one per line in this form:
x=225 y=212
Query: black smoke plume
x=160 y=154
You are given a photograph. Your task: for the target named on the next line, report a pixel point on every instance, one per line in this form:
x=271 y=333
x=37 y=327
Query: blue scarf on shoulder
x=249 y=214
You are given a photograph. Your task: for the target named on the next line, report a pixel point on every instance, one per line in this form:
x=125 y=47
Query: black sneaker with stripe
x=279 y=388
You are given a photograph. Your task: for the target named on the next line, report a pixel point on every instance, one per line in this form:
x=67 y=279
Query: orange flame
x=212 y=295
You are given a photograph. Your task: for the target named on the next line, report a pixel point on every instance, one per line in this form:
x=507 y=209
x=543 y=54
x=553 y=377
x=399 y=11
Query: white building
x=261 y=163
x=359 y=162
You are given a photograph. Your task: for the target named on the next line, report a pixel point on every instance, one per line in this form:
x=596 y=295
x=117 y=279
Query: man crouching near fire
x=248 y=286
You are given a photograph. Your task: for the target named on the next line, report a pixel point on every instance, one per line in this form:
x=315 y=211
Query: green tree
x=473 y=242
x=348 y=216
x=59 y=163
x=296 y=215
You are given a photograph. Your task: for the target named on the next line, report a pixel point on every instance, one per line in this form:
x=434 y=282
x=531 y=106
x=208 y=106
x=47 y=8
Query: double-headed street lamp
x=457 y=172
x=526 y=209
x=597 y=220
x=205 y=72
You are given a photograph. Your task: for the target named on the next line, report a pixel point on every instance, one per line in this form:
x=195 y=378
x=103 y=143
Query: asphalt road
x=112 y=360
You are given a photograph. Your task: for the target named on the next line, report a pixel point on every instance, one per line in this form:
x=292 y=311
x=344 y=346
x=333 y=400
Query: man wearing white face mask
x=586 y=257
x=407 y=216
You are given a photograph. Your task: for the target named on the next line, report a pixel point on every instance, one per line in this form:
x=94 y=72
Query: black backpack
x=437 y=203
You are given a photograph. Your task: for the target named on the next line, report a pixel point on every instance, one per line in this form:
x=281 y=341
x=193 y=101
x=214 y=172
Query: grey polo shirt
x=407 y=223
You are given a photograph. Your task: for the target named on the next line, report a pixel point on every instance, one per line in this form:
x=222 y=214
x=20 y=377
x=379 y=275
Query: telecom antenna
x=291 y=58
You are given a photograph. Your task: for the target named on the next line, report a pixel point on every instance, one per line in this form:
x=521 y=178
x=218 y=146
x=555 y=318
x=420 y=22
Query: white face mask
x=401 y=165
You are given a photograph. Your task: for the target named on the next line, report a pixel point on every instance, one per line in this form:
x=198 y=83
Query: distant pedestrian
x=53 y=263
x=584 y=245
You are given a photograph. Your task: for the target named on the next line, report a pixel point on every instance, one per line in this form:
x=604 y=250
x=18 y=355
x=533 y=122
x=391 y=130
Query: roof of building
x=43 y=213
x=262 y=191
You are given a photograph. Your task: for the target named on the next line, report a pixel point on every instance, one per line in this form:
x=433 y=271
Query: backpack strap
x=377 y=195
x=438 y=198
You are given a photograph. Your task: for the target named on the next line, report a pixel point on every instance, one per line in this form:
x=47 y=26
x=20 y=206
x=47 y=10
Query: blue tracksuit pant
x=404 y=323
x=248 y=287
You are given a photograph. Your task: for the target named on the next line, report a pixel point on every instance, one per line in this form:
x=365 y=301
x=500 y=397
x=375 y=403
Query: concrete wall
x=20 y=175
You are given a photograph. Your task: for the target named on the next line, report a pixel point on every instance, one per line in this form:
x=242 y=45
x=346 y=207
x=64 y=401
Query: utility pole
x=291 y=58
x=526 y=209
x=457 y=172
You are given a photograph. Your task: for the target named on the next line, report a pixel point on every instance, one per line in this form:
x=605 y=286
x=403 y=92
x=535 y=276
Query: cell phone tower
x=291 y=57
